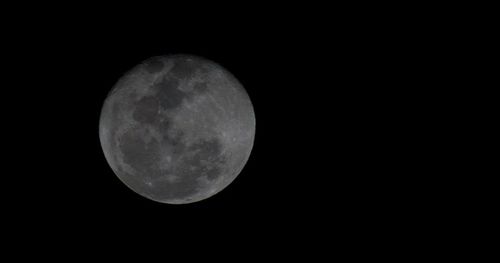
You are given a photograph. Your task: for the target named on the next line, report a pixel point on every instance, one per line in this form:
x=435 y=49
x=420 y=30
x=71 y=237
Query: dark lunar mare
x=184 y=68
x=153 y=65
x=168 y=94
x=146 y=110
x=138 y=154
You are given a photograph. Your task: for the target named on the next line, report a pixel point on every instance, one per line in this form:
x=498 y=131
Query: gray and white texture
x=177 y=129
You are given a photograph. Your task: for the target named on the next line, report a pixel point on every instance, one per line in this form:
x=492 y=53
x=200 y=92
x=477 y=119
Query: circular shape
x=177 y=129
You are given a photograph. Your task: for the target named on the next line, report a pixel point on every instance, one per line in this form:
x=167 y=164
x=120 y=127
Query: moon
x=177 y=129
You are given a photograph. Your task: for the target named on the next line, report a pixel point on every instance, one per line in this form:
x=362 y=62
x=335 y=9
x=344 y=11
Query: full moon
x=177 y=129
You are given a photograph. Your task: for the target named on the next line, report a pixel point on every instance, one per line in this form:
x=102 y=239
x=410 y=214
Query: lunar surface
x=177 y=129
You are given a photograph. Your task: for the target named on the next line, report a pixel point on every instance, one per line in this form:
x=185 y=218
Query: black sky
x=331 y=95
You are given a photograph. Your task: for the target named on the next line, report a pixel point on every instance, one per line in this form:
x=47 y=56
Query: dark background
x=333 y=93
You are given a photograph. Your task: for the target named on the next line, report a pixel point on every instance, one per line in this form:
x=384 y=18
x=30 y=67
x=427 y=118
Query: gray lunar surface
x=177 y=129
